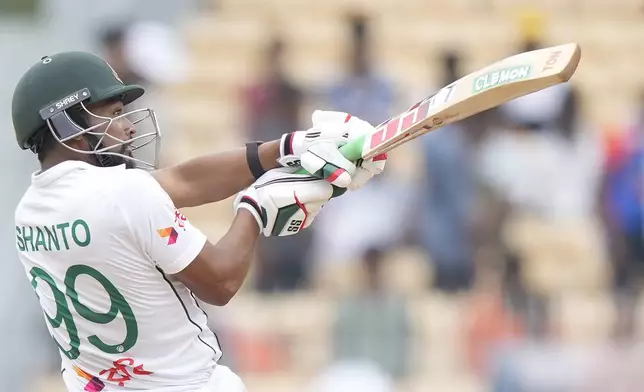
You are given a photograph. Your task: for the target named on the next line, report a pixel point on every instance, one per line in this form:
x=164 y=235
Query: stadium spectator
x=373 y=324
x=272 y=106
x=340 y=234
x=113 y=40
x=352 y=376
x=447 y=196
x=542 y=362
x=622 y=206
x=363 y=92
x=491 y=321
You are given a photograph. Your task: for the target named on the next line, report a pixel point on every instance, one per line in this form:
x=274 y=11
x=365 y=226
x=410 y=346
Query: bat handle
x=352 y=151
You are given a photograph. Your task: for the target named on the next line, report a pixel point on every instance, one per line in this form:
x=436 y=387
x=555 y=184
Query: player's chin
x=127 y=157
x=129 y=161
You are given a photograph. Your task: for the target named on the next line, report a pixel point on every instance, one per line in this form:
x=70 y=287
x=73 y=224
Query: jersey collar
x=43 y=178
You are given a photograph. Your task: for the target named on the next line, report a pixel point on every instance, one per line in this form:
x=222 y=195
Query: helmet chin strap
x=103 y=160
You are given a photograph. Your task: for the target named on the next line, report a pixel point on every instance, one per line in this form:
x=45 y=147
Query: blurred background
x=504 y=253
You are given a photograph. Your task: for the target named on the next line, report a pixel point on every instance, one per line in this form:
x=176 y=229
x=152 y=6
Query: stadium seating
x=561 y=262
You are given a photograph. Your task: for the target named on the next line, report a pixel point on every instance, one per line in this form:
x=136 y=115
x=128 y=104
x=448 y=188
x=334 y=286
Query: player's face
x=121 y=129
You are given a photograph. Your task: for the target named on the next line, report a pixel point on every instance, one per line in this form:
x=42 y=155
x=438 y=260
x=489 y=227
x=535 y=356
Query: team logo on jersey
x=94 y=384
x=170 y=233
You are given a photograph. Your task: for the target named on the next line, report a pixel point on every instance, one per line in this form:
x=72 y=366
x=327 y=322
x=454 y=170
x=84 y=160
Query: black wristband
x=252 y=157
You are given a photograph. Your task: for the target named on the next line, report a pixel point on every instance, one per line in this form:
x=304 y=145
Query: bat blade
x=491 y=86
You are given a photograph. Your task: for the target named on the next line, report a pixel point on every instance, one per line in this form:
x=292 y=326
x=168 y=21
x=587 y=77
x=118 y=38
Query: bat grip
x=352 y=151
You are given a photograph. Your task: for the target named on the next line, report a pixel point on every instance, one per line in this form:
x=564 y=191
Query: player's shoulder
x=134 y=182
x=133 y=175
x=21 y=207
x=133 y=192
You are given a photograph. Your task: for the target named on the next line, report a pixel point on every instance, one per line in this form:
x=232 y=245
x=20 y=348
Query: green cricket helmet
x=53 y=92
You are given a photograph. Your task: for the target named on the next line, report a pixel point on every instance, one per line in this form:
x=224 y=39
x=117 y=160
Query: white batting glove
x=317 y=150
x=283 y=203
x=366 y=169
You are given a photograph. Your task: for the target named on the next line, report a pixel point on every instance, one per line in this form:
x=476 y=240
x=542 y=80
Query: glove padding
x=317 y=150
x=282 y=202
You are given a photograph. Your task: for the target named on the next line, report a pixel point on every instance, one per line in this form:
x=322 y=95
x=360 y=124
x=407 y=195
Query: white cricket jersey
x=99 y=246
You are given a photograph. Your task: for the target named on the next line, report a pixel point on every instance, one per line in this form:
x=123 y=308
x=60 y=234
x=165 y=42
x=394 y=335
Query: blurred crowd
x=507 y=214
x=534 y=167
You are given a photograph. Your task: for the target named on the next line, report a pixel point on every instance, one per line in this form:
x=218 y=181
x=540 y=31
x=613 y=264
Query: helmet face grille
x=141 y=150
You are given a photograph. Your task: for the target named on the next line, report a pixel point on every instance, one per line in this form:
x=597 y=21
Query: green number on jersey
x=118 y=304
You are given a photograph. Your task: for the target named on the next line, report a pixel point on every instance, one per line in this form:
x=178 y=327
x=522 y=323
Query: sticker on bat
x=501 y=77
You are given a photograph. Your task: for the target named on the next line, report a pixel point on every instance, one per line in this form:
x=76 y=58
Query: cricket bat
x=502 y=81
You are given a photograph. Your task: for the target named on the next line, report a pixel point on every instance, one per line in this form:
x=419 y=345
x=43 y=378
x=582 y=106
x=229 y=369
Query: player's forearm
x=222 y=268
x=237 y=248
x=213 y=177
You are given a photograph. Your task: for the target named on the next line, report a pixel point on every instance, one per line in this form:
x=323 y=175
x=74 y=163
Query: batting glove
x=317 y=150
x=282 y=202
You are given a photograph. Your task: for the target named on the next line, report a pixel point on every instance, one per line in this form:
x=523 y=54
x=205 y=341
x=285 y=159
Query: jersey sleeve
x=162 y=231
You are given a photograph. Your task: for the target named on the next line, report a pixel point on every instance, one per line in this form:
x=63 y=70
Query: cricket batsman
x=116 y=267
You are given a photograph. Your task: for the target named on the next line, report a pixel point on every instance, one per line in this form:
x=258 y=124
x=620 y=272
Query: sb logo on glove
x=282 y=202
